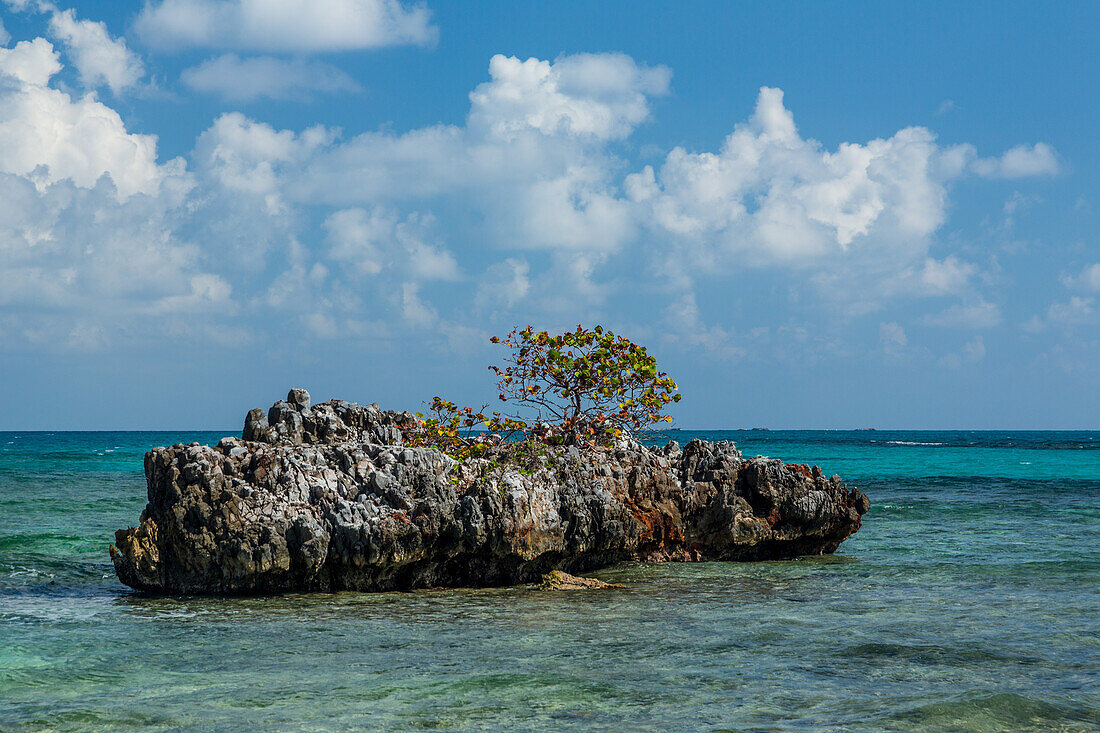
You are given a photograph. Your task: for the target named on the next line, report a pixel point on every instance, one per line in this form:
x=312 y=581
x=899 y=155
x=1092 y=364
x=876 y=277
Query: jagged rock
x=293 y=422
x=299 y=398
x=328 y=498
x=557 y=580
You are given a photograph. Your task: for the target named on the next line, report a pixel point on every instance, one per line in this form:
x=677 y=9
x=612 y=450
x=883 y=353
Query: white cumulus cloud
x=47 y=133
x=863 y=213
x=771 y=196
x=1021 y=161
x=531 y=191
x=378 y=240
x=532 y=156
x=535 y=167
x=68 y=249
x=31 y=63
x=100 y=60
x=284 y=25
x=602 y=96
x=251 y=157
x=90 y=239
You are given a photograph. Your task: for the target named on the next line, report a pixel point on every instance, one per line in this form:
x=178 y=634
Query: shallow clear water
x=970 y=600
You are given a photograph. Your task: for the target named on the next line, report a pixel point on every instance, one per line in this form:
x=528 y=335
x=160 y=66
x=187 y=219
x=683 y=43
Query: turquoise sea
x=969 y=601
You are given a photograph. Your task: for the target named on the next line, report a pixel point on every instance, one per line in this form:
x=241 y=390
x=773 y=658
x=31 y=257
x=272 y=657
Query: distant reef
x=327 y=498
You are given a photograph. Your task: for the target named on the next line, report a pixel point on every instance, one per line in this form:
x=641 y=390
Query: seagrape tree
x=583 y=387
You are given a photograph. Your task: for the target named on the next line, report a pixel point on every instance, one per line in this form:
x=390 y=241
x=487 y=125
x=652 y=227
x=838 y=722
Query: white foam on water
x=25 y=572
x=53 y=609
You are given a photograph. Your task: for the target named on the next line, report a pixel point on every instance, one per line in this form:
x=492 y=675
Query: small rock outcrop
x=327 y=497
x=557 y=580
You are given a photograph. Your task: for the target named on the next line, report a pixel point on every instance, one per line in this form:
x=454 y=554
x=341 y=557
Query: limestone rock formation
x=326 y=497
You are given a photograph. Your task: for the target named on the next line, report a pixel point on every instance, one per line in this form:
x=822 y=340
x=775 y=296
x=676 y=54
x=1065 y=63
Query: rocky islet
x=328 y=497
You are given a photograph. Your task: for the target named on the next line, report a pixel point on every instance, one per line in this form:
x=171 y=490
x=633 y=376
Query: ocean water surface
x=969 y=601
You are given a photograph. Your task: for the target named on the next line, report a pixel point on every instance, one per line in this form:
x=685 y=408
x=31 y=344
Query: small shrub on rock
x=581 y=388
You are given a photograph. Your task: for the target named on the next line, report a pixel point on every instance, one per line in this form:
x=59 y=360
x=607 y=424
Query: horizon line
x=668 y=430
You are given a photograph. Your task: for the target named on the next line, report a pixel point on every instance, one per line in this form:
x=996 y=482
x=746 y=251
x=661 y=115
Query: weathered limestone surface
x=326 y=498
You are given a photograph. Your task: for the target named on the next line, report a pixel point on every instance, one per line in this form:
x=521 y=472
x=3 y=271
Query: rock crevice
x=327 y=497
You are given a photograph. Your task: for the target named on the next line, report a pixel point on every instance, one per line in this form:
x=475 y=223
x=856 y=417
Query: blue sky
x=821 y=215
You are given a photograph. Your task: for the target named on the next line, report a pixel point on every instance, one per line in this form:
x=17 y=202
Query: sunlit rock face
x=327 y=498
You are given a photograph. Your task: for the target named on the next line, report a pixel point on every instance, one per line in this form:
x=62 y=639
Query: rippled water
x=970 y=600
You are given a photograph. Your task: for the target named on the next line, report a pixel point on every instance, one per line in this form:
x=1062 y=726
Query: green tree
x=583 y=387
x=589 y=385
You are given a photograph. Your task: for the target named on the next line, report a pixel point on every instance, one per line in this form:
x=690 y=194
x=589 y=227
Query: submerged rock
x=557 y=580
x=326 y=498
